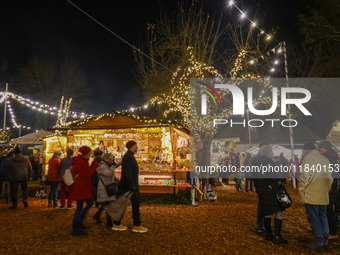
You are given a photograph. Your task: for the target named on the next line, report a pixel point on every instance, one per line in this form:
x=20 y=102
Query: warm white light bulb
x=276 y=62
x=254 y=24
x=268 y=37
x=252 y=62
x=272 y=70
x=231 y=2
x=243 y=15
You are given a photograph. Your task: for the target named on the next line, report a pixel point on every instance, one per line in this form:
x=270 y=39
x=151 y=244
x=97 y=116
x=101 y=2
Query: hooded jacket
x=18 y=168
x=333 y=158
x=82 y=172
x=313 y=185
x=65 y=164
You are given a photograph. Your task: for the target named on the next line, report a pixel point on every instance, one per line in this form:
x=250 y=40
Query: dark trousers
x=81 y=212
x=251 y=184
x=135 y=201
x=14 y=191
x=331 y=217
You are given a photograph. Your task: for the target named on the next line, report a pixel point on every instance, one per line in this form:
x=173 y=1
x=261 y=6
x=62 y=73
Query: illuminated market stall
x=163 y=146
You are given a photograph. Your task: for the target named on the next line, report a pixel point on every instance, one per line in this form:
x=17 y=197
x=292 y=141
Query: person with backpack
x=65 y=164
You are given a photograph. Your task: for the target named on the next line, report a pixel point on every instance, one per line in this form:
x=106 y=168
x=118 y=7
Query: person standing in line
x=314 y=187
x=65 y=164
x=325 y=149
x=7 y=156
x=260 y=228
x=129 y=182
x=81 y=188
x=18 y=171
x=53 y=178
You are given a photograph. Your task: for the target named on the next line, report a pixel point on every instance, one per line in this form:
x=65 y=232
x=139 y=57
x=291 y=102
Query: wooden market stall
x=163 y=146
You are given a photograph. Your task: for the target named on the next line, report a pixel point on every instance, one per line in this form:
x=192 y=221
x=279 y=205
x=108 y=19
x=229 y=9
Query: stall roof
x=119 y=120
x=32 y=138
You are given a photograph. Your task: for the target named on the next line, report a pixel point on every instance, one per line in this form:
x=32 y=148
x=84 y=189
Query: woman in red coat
x=81 y=188
x=53 y=178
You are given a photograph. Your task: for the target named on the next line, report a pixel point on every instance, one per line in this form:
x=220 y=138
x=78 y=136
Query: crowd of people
x=318 y=184
x=92 y=171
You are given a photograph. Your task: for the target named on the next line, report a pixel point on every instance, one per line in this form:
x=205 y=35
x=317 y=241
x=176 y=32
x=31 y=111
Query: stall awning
x=32 y=138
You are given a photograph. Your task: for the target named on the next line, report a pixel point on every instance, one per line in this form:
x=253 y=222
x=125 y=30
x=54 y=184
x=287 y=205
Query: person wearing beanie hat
x=129 y=182
x=260 y=228
x=314 y=187
x=81 y=188
x=325 y=148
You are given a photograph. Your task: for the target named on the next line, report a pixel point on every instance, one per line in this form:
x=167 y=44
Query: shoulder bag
x=111 y=189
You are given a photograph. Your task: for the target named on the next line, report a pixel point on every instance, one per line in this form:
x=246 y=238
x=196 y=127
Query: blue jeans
x=81 y=213
x=53 y=196
x=331 y=217
x=259 y=217
x=316 y=216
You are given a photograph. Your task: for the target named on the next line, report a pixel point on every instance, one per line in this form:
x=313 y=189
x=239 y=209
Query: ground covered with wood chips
x=222 y=227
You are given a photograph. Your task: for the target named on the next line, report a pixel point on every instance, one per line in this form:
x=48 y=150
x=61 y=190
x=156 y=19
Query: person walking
x=267 y=190
x=65 y=164
x=314 y=187
x=260 y=228
x=106 y=174
x=325 y=149
x=53 y=176
x=129 y=182
x=18 y=171
x=81 y=188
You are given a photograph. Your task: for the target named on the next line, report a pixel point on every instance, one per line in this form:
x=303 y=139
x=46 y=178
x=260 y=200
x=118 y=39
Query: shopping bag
x=116 y=209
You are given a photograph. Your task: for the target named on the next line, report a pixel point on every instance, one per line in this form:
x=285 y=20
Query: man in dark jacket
x=260 y=229
x=18 y=171
x=3 y=174
x=129 y=182
x=325 y=148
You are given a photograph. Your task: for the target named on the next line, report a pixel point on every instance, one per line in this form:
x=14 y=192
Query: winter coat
x=242 y=160
x=267 y=189
x=255 y=175
x=65 y=164
x=18 y=168
x=3 y=173
x=106 y=172
x=333 y=158
x=53 y=169
x=314 y=186
x=82 y=172
x=129 y=179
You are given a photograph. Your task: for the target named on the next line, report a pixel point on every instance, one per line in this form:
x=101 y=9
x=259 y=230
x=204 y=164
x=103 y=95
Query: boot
x=109 y=222
x=277 y=239
x=82 y=225
x=267 y=224
x=77 y=230
x=96 y=217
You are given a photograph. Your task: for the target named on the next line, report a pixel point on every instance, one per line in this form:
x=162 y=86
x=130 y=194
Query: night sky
x=55 y=29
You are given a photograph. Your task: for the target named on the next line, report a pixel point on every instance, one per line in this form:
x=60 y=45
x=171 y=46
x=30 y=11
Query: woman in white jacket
x=106 y=176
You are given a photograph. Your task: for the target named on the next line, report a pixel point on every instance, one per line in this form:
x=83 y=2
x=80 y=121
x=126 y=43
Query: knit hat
x=325 y=144
x=17 y=150
x=309 y=146
x=129 y=144
x=84 y=150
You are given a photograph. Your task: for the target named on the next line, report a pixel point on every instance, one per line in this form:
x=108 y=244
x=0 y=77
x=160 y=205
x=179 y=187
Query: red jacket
x=53 y=169
x=81 y=188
